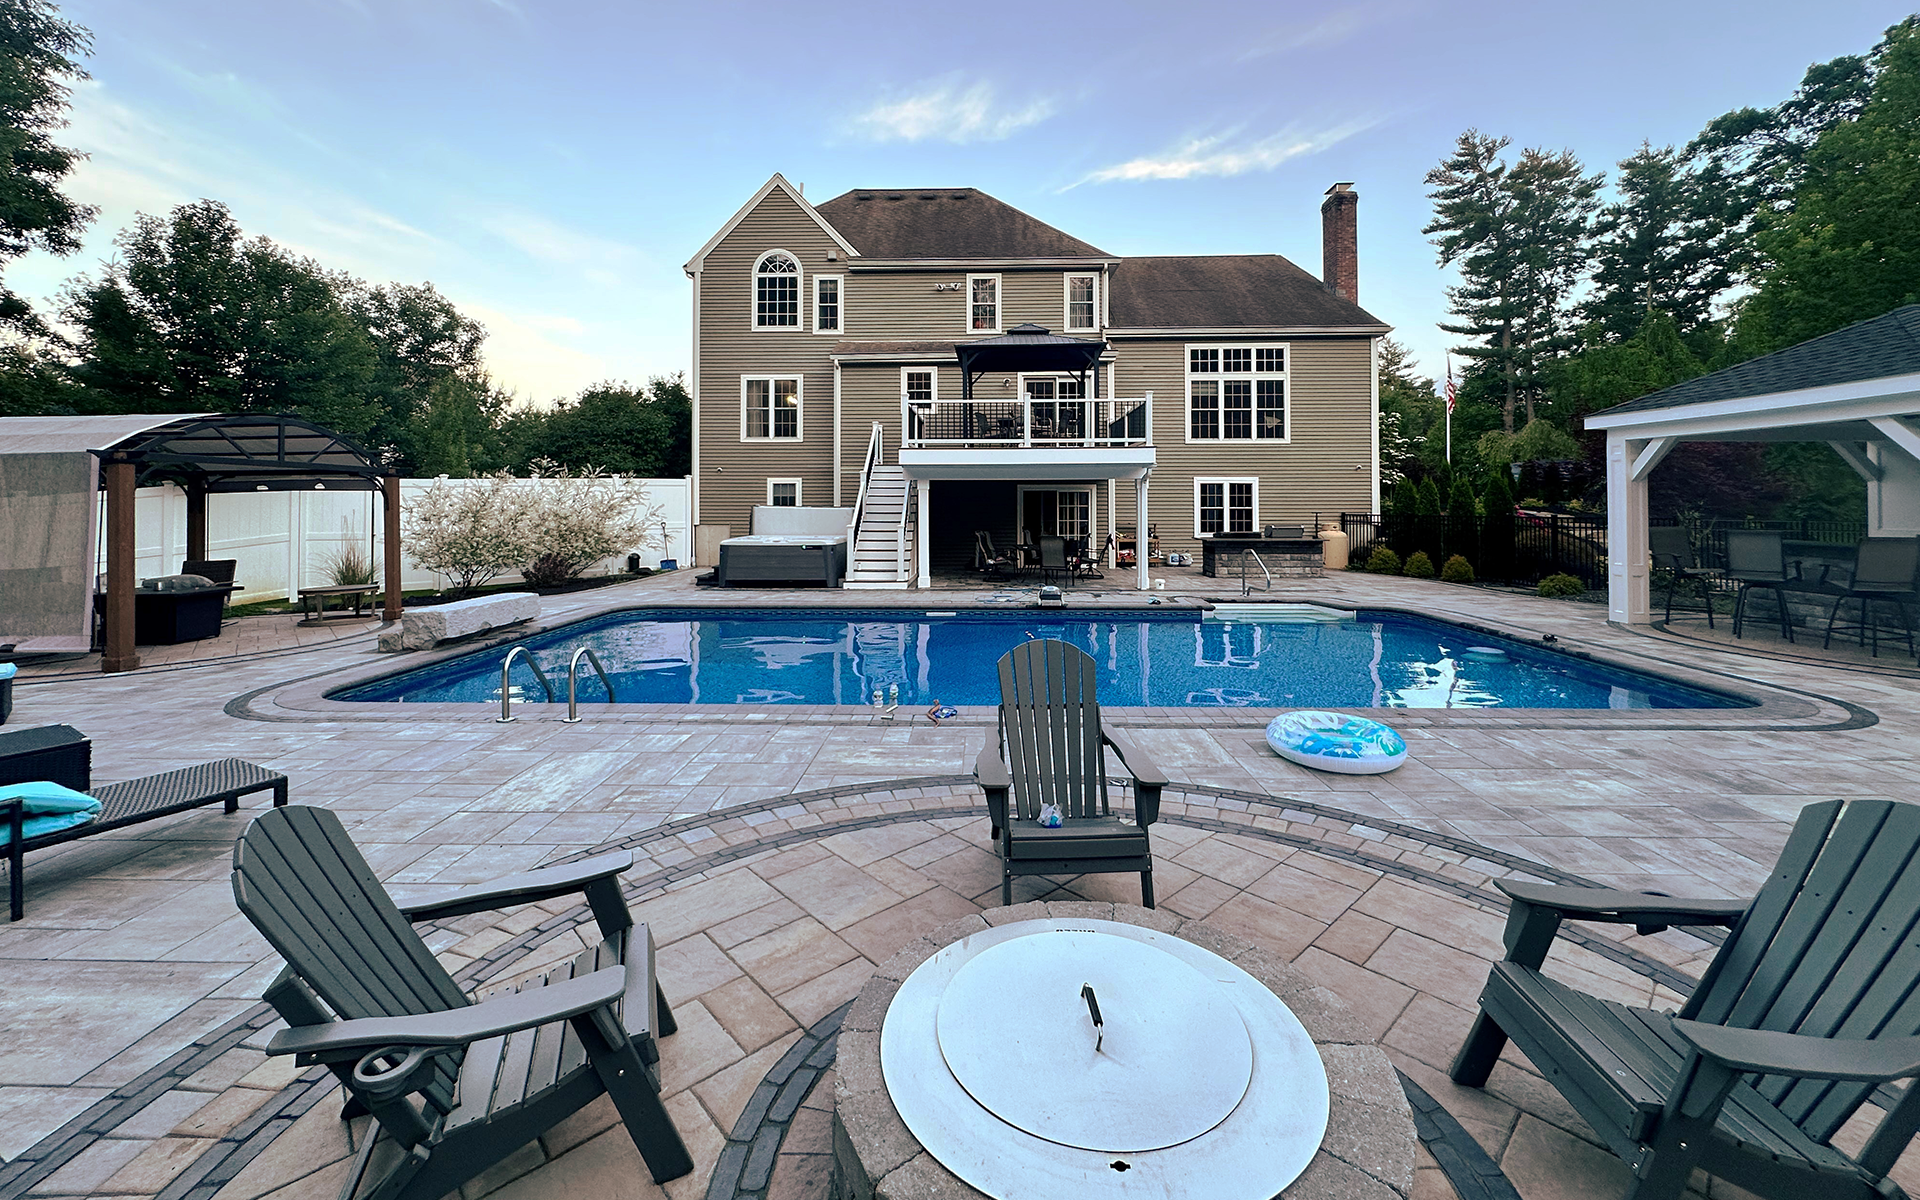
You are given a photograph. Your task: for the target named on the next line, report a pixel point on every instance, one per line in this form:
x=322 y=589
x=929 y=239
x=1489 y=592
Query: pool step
x=1279 y=614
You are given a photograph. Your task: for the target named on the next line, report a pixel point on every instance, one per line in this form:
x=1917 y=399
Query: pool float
x=1484 y=653
x=1329 y=741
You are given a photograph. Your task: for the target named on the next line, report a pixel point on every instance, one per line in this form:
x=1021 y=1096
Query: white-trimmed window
x=1237 y=393
x=769 y=408
x=1083 y=308
x=784 y=493
x=919 y=385
x=983 y=304
x=827 y=304
x=776 y=291
x=1225 y=505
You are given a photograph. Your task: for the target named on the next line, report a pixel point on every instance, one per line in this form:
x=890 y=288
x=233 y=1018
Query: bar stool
x=1756 y=558
x=1883 y=570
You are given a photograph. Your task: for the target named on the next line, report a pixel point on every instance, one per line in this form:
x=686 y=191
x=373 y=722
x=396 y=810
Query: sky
x=549 y=165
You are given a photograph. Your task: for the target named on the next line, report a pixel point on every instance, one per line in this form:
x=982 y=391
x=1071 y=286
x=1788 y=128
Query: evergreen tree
x=1419 y=414
x=1661 y=247
x=1496 y=527
x=1519 y=236
x=1406 y=498
x=1463 y=519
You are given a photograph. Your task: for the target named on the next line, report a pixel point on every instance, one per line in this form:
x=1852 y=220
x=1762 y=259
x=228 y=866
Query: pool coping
x=1773 y=707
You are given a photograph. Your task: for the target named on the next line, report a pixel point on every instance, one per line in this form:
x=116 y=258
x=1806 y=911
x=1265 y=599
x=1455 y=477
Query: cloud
x=1331 y=29
x=527 y=353
x=548 y=241
x=947 y=112
x=1223 y=155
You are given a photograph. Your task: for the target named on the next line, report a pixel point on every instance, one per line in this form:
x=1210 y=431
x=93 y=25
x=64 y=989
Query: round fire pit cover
x=1169 y=1060
x=1093 y=1058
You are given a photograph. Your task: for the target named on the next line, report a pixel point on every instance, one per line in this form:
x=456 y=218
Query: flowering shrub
x=465 y=531
x=551 y=527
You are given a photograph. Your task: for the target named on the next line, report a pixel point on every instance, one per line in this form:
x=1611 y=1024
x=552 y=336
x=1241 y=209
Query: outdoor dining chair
x=1670 y=549
x=1053 y=558
x=1883 y=571
x=1757 y=559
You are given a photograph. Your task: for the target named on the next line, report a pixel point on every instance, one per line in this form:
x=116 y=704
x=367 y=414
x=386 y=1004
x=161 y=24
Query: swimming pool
x=1174 y=659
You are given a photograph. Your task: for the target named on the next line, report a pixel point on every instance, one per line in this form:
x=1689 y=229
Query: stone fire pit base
x=1367 y=1154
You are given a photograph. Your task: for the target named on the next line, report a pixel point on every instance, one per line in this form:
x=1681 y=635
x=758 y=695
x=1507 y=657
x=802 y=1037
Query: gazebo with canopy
x=1857 y=389
x=52 y=467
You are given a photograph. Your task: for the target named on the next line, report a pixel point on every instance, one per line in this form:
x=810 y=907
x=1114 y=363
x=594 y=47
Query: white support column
x=922 y=556
x=1627 y=585
x=1113 y=527
x=1140 y=542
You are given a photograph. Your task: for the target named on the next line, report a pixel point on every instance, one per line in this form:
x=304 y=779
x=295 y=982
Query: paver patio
x=782 y=854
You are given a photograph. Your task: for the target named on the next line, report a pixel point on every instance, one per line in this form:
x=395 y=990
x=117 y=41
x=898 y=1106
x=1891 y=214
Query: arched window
x=776 y=291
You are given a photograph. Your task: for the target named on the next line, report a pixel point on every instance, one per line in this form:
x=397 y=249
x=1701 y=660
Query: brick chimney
x=1340 y=242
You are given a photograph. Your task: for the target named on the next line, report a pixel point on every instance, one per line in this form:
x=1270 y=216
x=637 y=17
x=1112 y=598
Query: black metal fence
x=1533 y=545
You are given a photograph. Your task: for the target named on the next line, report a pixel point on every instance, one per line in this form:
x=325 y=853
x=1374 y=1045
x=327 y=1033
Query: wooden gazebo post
x=196 y=519
x=118 y=618
x=390 y=493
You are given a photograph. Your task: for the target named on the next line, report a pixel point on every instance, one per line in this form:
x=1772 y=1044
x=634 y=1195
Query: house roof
x=945 y=223
x=1224 y=290
x=897 y=347
x=1875 y=349
x=779 y=183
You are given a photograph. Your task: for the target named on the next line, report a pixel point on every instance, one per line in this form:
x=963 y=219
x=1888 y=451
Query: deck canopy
x=52 y=467
x=1857 y=389
x=1031 y=348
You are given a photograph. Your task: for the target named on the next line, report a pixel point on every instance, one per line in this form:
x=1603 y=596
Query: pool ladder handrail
x=1246 y=588
x=573 y=682
x=506 y=695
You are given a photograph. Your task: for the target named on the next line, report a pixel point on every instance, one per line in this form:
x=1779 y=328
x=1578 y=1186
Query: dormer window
x=776 y=291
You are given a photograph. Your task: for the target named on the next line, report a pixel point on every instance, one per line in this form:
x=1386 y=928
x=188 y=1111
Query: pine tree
x=1519 y=236
x=1661 y=247
x=1496 y=527
x=1463 y=520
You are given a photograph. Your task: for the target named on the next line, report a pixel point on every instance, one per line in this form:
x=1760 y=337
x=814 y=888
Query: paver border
x=1773 y=707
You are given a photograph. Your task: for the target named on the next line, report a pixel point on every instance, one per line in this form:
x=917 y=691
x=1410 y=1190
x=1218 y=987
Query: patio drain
x=882 y=803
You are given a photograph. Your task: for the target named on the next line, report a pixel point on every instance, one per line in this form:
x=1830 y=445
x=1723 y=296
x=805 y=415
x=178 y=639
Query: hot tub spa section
x=1178 y=659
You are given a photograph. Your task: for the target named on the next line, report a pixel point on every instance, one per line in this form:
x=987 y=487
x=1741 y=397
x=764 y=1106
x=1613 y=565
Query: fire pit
x=1096 y=1050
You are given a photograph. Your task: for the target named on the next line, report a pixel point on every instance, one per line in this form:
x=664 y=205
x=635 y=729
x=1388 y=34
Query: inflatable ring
x=1329 y=741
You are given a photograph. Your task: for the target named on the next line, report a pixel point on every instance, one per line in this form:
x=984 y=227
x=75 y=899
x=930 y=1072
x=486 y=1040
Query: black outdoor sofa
x=62 y=754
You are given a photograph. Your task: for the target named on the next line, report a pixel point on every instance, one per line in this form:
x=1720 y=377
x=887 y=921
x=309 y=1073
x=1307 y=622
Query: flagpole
x=1450 y=396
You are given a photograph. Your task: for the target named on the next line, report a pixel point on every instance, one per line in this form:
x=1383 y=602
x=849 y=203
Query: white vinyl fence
x=284 y=540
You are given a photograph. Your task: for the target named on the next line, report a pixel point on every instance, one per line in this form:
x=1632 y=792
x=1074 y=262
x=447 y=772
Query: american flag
x=1452 y=392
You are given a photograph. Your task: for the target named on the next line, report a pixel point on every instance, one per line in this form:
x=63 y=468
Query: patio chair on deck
x=1049 y=751
x=987 y=560
x=1757 y=558
x=1053 y=558
x=1883 y=570
x=1807 y=1008
x=455 y=1086
x=1671 y=550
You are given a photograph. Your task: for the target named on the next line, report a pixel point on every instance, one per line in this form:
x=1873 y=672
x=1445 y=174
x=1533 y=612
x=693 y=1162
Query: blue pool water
x=1380 y=660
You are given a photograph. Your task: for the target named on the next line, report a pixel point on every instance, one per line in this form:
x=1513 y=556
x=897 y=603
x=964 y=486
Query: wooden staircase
x=882 y=556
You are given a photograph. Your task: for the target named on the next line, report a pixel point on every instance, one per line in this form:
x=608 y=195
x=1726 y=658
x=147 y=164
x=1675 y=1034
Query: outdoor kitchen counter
x=1368 y=1149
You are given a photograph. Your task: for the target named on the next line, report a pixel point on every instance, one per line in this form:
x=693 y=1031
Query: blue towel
x=49 y=808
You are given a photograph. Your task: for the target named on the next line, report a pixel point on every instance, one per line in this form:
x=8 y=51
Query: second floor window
x=826 y=304
x=772 y=407
x=1081 y=312
x=776 y=292
x=983 y=303
x=1236 y=393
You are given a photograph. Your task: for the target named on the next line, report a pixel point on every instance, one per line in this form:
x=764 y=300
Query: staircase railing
x=1246 y=587
x=909 y=516
x=860 y=502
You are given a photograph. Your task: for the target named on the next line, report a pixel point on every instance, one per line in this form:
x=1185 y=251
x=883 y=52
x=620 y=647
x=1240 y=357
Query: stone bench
x=425 y=628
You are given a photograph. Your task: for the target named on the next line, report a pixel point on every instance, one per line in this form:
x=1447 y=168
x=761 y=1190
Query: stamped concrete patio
x=782 y=854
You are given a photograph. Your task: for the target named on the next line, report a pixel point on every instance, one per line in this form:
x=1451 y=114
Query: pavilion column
x=118 y=618
x=922 y=552
x=196 y=520
x=390 y=496
x=1627 y=573
x=1140 y=539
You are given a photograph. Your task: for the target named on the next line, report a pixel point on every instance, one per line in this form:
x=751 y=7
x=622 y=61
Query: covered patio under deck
x=1033 y=443
x=1857 y=389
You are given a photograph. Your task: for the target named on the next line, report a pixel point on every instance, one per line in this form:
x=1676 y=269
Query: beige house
x=950 y=367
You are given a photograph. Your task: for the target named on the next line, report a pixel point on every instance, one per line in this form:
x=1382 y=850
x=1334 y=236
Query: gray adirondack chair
x=1052 y=738
x=455 y=1086
x=1809 y=1006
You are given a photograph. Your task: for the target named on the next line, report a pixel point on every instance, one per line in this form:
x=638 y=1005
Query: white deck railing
x=1026 y=424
